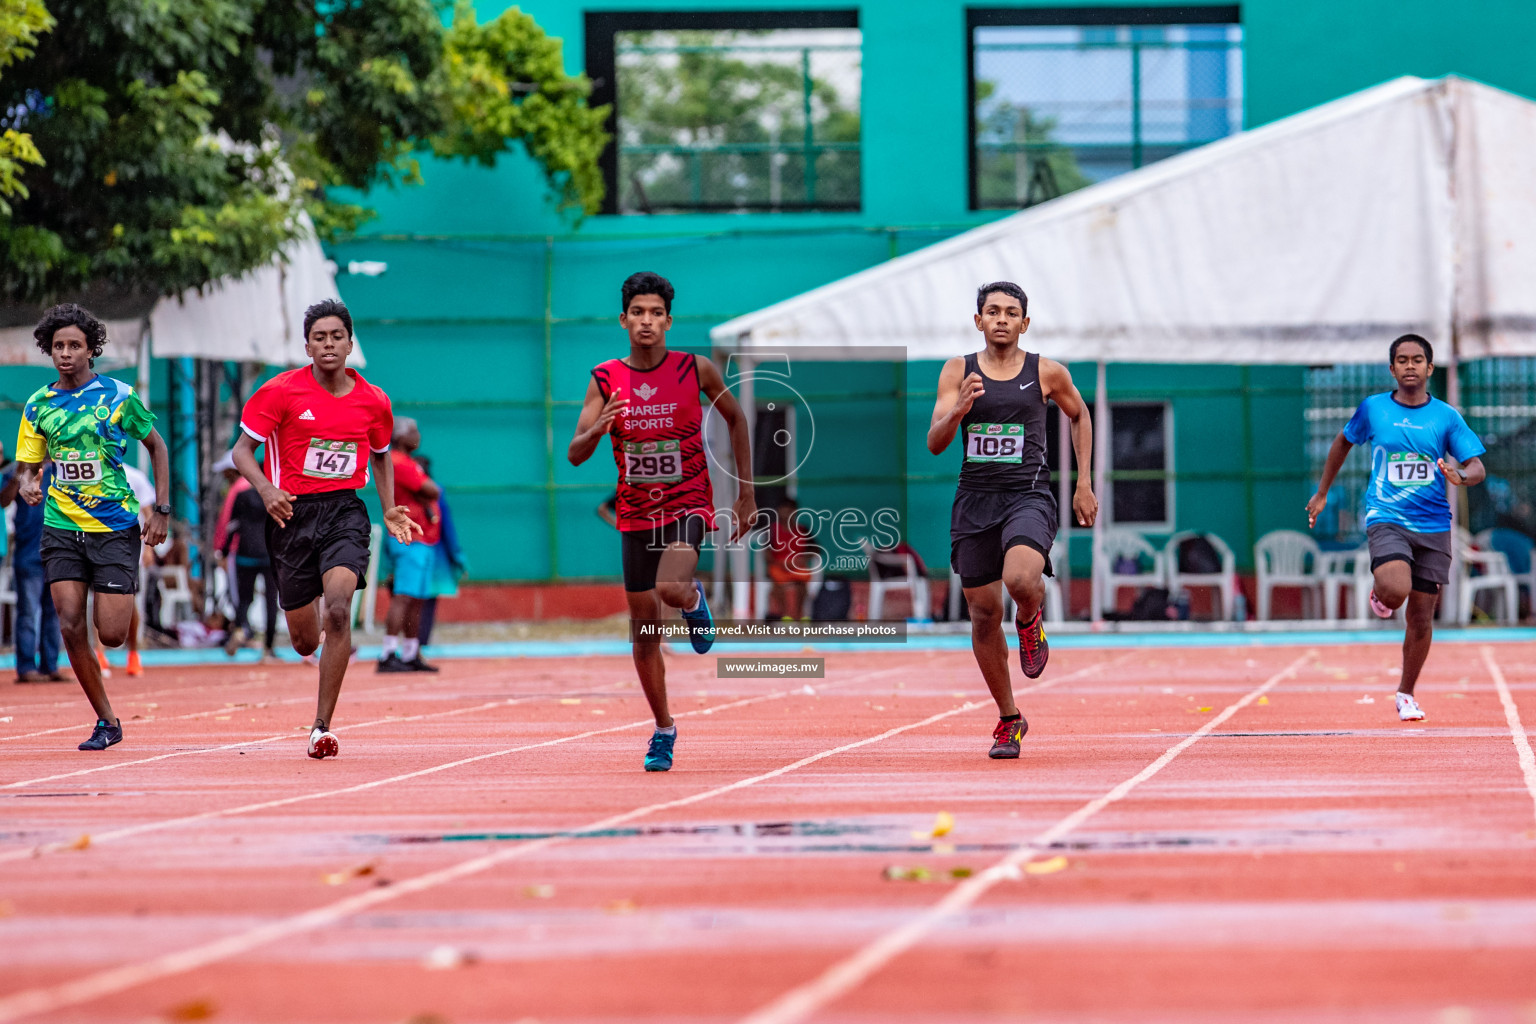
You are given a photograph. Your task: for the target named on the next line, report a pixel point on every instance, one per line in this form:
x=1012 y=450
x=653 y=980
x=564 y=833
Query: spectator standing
x=414 y=563
x=38 y=640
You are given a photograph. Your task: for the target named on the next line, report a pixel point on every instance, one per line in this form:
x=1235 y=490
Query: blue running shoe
x=658 y=756
x=701 y=624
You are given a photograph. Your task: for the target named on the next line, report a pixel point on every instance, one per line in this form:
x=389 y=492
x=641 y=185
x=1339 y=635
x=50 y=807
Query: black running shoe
x=393 y=663
x=418 y=665
x=104 y=735
x=1006 y=737
x=1034 y=652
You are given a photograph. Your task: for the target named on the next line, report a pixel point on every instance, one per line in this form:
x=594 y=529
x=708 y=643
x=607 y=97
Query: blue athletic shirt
x=1407 y=488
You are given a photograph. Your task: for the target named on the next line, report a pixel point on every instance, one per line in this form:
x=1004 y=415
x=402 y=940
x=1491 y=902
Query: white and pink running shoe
x=1408 y=709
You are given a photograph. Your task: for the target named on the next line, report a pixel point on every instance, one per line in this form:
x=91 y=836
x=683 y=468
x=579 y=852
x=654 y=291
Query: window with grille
x=731 y=111
x=1064 y=97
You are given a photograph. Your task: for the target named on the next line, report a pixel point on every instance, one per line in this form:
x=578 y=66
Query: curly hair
x=324 y=308
x=69 y=314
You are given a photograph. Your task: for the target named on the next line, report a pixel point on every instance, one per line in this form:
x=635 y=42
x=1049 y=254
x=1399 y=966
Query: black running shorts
x=329 y=530
x=1428 y=554
x=643 y=550
x=985 y=524
x=108 y=562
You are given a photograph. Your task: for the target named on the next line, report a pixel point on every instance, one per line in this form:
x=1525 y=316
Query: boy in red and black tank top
x=649 y=405
x=323 y=426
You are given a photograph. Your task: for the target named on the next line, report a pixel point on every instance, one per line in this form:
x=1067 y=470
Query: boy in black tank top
x=1004 y=517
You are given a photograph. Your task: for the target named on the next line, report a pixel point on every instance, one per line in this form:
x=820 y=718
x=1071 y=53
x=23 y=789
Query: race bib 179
x=330 y=460
x=653 y=462
x=994 y=442
x=75 y=468
x=1409 y=469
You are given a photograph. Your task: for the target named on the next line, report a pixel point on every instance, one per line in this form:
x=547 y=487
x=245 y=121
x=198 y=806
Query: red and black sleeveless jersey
x=657 y=443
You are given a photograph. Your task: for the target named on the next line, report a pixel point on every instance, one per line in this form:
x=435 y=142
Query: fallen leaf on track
x=570 y=700
x=346 y=875
x=197 y=1009
x=943 y=825
x=1367 y=699
x=960 y=872
x=1045 y=867
x=1263 y=700
x=446 y=958
x=896 y=873
x=83 y=843
x=539 y=892
x=621 y=907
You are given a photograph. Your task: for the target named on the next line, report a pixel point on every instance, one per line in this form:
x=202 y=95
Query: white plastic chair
x=904 y=576
x=1527 y=579
x=175 y=595
x=762 y=586
x=1348 y=573
x=1288 y=558
x=1495 y=576
x=1118 y=544
x=1224 y=582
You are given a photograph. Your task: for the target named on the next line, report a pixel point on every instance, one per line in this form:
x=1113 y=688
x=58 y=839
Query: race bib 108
x=1409 y=469
x=76 y=468
x=330 y=460
x=994 y=442
x=653 y=462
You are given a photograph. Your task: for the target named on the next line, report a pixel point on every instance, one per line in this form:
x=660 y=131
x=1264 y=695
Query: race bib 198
x=330 y=460
x=994 y=442
x=653 y=462
x=75 y=467
x=1409 y=469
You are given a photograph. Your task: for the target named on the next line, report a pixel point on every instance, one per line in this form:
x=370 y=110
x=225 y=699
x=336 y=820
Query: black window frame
x=602 y=28
x=1067 y=17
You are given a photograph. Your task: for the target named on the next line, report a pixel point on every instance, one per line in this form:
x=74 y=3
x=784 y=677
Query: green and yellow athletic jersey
x=85 y=432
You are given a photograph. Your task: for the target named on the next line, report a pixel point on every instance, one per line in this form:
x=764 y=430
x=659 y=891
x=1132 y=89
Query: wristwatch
x=164 y=510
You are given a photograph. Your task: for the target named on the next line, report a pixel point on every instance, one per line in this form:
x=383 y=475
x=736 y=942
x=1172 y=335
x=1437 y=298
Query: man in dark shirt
x=37 y=625
x=247 y=536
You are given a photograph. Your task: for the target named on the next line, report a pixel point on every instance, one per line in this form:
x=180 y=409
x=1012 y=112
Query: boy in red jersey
x=649 y=405
x=323 y=425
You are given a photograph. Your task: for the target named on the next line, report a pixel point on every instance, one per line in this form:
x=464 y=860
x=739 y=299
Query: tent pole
x=141 y=385
x=1064 y=501
x=1101 y=443
x=741 y=553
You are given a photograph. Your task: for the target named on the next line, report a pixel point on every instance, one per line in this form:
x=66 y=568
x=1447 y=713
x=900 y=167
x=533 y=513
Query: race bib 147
x=330 y=460
x=994 y=442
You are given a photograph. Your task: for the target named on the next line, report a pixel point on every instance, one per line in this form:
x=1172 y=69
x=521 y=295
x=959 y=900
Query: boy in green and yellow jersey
x=83 y=423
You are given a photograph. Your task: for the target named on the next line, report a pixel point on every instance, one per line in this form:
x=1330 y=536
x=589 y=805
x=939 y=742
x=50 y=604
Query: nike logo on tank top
x=657 y=444
x=1003 y=434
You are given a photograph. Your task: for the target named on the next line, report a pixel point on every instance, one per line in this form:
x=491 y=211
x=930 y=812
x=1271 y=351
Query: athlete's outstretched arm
x=397 y=518
x=1056 y=385
x=1468 y=474
x=713 y=386
x=1337 y=453
x=157 y=525
x=279 y=503
x=595 y=419
x=956 y=396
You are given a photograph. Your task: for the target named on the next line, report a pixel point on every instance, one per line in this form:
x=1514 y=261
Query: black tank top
x=1004 y=432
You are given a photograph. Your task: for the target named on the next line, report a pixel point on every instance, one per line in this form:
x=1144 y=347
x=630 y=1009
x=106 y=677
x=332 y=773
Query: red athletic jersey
x=316 y=441
x=663 y=474
x=425 y=514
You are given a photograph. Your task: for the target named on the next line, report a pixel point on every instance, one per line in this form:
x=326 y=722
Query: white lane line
x=119 y=979
x=1516 y=730
x=843 y=977
x=155 y=826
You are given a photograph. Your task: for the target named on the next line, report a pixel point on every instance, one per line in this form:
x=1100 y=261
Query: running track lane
x=120 y=979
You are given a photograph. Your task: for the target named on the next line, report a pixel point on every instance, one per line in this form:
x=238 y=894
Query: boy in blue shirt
x=1418 y=443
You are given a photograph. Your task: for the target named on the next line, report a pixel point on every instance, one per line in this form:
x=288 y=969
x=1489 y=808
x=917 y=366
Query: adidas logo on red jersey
x=306 y=415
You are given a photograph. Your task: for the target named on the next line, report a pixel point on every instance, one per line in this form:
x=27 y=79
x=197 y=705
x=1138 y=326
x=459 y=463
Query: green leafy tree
x=183 y=139
x=1032 y=167
x=700 y=113
x=21 y=22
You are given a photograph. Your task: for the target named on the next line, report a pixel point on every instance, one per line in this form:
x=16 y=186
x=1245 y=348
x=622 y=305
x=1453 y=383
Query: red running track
x=1191 y=835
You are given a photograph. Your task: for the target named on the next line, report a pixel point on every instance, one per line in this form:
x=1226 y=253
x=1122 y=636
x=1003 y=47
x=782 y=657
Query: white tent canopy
x=1315 y=239
x=255 y=318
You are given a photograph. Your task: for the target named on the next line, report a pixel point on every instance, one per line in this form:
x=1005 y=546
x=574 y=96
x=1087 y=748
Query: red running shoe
x=1034 y=651
x=1006 y=737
